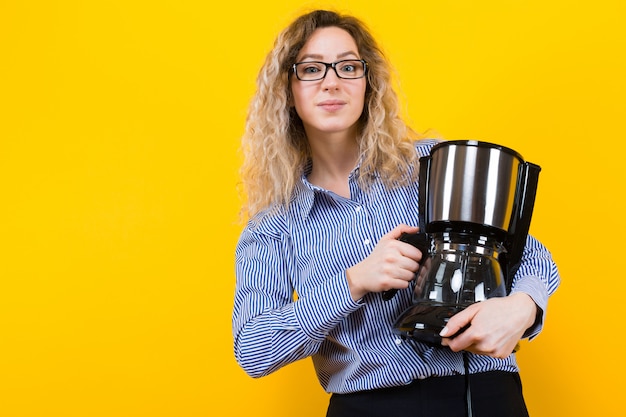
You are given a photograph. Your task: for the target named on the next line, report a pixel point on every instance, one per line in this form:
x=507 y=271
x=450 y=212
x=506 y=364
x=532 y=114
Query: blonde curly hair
x=274 y=145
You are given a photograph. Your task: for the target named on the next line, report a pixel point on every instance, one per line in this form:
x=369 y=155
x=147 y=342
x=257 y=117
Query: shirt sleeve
x=272 y=328
x=538 y=277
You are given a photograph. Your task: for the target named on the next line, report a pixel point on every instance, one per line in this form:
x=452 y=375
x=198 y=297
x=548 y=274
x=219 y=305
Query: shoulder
x=265 y=227
x=423 y=146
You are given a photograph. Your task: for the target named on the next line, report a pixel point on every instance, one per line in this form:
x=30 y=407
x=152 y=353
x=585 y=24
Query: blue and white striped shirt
x=306 y=249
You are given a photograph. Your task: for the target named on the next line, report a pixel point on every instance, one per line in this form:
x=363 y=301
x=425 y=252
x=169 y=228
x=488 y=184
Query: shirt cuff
x=535 y=288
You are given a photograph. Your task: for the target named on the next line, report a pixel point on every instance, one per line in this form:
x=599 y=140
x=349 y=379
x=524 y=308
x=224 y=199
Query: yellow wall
x=119 y=127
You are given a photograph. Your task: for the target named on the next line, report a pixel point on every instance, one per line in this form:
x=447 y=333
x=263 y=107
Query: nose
x=331 y=80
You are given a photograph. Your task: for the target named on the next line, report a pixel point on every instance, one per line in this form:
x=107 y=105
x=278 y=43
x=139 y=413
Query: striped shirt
x=306 y=250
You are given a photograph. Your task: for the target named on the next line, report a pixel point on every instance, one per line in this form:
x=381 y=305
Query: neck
x=333 y=160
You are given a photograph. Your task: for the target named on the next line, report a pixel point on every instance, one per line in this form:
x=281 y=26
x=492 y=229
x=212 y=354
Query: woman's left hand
x=495 y=325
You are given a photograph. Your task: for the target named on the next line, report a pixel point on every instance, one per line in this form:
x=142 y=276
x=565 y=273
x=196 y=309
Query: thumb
x=460 y=321
x=397 y=231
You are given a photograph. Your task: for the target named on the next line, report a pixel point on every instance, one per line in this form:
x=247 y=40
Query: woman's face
x=331 y=105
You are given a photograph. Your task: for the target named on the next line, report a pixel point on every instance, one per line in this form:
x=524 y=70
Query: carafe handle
x=526 y=192
x=422 y=242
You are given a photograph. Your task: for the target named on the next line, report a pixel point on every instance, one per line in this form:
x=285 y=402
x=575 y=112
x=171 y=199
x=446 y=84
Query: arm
x=270 y=328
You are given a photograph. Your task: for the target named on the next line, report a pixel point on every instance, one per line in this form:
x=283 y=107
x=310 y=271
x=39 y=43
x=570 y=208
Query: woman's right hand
x=391 y=265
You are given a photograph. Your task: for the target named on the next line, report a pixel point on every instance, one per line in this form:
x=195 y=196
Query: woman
x=330 y=176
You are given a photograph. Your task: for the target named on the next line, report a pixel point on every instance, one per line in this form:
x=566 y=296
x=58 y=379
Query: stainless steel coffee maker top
x=470 y=181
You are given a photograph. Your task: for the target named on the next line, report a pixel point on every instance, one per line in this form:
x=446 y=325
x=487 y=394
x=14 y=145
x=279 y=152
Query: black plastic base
x=423 y=322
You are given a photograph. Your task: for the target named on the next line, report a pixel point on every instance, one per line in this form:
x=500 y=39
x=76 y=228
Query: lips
x=331 y=105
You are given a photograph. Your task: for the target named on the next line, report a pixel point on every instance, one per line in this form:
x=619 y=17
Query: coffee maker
x=475 y=208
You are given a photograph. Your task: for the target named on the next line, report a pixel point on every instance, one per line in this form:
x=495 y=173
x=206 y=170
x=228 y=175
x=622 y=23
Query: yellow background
x=119 y=128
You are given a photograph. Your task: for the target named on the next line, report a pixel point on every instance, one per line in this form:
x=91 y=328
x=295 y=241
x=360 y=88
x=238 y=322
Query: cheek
x=296 y=104
x=361 y=95
x=299 y=100
x=360 y=90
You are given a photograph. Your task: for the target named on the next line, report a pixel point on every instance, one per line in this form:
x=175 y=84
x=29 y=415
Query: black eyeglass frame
x=332 y=65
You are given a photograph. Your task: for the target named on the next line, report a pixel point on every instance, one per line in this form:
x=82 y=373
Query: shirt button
x=357 y=209
x=366 y=242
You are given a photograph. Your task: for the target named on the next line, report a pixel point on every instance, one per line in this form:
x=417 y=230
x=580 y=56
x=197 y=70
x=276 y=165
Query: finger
x=397 y=231
x=406 y=274
x=458 y=322
x=410 y=263
x=411 y=252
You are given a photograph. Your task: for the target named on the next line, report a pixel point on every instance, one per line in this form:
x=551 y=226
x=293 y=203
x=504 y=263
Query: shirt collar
x=305 y=193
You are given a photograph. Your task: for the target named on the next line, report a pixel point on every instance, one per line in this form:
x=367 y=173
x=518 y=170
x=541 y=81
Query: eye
x=311 y=68
x=350 y=67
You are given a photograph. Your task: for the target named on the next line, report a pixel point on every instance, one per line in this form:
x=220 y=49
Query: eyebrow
x=317 y=56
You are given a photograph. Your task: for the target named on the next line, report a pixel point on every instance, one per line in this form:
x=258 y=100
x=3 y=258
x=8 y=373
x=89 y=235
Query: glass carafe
x=462 y=269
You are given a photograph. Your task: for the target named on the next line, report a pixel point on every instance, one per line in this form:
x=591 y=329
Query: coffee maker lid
x=476 y=143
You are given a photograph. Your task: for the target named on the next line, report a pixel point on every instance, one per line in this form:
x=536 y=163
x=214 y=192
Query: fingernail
x=443 y=332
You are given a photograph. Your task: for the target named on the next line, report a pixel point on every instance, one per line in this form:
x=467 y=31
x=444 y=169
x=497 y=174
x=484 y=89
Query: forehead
x=329 y=43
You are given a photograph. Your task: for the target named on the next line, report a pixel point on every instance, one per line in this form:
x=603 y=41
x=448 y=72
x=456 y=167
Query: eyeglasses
x=349 y=69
